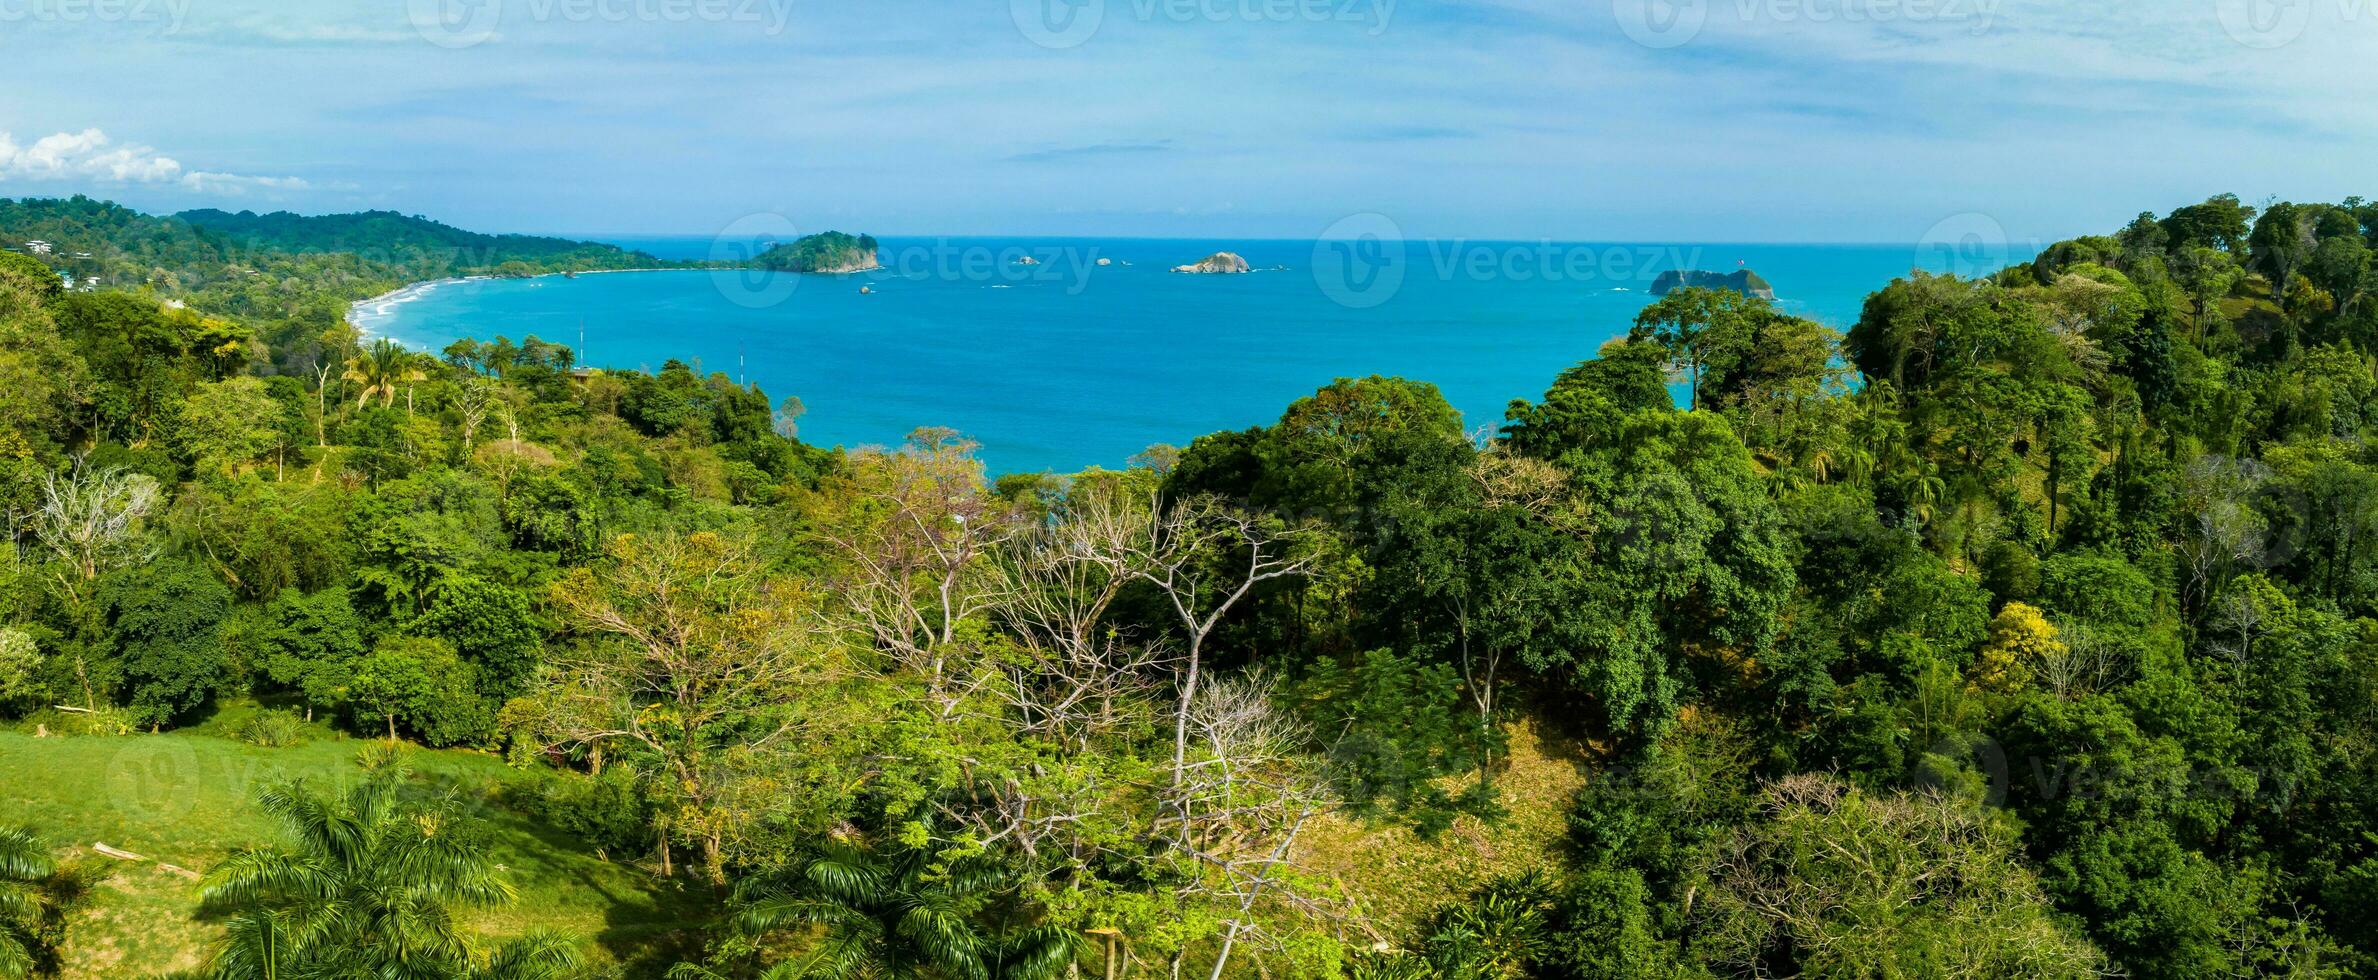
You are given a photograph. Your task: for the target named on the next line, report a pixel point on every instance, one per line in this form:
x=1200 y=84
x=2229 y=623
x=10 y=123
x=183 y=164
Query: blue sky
x=1731 y=120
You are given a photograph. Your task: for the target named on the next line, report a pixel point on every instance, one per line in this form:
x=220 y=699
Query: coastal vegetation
x=828 y=252
x=2028 y=628
x=1742 y=281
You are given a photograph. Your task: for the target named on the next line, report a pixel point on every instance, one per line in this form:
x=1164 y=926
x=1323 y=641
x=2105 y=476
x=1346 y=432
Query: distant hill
x=830 y=251
x=376 y=250
x=1741 y=281
x=371 y=232
x=278 y=267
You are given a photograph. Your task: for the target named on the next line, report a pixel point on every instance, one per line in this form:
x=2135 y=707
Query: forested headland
x=2028 y=628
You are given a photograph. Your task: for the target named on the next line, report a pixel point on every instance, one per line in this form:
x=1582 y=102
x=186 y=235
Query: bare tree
x=1204 y=558
x=2238 y=619
x=787 y=418
x=92 y=520
x=321 y=404
x=2228 y=534
x=2086 y=660
x=1243 y=801
x=914 y=534
x=1063 y=575
x=474 y=399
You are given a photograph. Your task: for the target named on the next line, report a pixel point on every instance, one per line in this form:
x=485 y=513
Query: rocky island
x=1219 y=263
x=826 y=252
x=1741 y=281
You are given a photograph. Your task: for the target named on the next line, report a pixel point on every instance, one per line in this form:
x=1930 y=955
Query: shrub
x=272 y=729
x=606 y=811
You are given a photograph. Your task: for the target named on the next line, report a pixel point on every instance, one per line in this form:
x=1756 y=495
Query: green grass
x=1394 y=878
x=187 y=799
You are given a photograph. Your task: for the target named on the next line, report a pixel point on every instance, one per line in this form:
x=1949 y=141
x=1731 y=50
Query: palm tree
x=899 y=914
x=24 y=864
x=371 y=886
x=382 y=370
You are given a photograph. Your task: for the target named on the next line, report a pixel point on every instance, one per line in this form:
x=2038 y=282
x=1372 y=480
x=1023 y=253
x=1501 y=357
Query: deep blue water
x=1068 y=363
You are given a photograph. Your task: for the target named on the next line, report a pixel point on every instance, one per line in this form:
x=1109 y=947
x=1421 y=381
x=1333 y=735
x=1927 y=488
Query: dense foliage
x=2029 y=629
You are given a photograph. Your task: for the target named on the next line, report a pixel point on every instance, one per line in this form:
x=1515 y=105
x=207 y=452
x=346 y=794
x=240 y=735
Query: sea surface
x=1065 y=363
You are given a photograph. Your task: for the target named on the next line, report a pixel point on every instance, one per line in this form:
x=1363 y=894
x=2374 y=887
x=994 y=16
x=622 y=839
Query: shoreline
x=384 y=302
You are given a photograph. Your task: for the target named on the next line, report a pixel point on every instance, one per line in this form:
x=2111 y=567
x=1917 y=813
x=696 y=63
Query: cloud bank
x=90 y=156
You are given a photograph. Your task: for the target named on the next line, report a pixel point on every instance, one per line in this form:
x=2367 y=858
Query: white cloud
x=91 y=156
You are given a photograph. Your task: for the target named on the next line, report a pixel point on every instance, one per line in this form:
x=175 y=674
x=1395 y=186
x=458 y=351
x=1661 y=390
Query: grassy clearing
x=1395 y=878
x=187 y=799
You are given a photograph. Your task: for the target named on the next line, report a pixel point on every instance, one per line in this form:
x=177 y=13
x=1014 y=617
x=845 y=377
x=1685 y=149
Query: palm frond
x=787 y=911
x=539 y=955
x=23 y=856
x=844 y=873
x=259 y=875
x=843 y=956
x=16 y=961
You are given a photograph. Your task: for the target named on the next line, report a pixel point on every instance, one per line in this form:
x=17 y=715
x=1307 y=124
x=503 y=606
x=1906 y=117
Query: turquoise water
x=1069 y=363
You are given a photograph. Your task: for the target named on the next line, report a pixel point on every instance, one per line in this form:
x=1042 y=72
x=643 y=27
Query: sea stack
x=1741 y=281
x=1219 y=263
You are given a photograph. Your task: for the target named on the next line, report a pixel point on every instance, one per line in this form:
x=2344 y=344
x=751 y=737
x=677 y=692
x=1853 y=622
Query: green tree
x=492 y=626
x=311 y=642
x=420 y=683
x=166 y=622
x=1700 y=327
x=228 y=424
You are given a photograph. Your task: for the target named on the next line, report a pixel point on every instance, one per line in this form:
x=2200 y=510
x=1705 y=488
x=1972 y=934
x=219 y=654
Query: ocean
x=1093 y=350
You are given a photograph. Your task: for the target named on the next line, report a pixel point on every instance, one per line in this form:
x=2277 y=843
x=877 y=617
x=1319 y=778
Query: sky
x=1569 y=120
